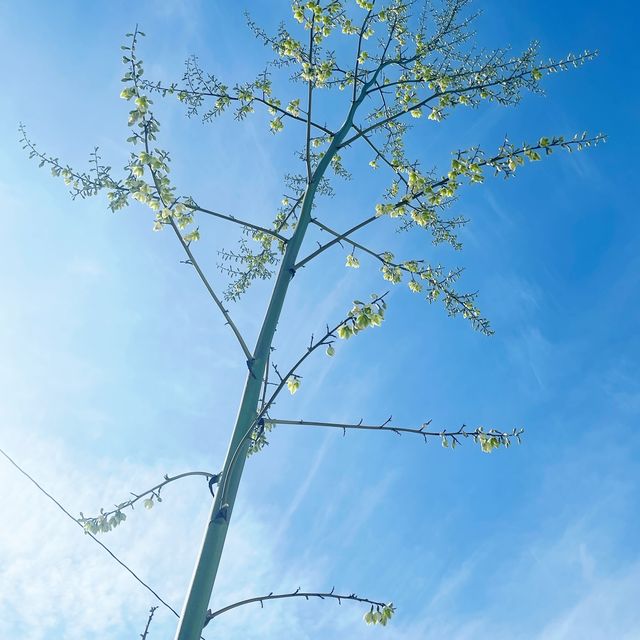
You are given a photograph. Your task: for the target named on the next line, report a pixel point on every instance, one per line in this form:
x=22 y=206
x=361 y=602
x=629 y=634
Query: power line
x=113 y=555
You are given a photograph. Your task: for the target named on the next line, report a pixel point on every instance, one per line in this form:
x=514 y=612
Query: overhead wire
x=104 y=546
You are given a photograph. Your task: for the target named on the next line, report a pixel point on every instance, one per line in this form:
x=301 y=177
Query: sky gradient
x=115 y=368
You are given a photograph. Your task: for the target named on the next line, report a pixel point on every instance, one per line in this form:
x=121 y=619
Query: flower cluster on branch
x=108 y=520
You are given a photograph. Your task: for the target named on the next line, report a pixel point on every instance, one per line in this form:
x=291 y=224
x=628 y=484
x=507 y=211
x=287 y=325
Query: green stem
x=297 y=594
x=194 y=611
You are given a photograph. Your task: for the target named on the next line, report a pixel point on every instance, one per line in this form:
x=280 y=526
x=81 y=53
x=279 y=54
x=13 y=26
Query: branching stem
x=422 y=431
x=94 y=538
x=157 y=86
x=295 y=594
x=212 y=293
x=234 y=219
x=357 y=65
x=144 y=634
x=309 y=105
x=326 y=340
x=339 y=237
x=406 y=199
x=153 y=491
x=185 y=245
x=457 y=91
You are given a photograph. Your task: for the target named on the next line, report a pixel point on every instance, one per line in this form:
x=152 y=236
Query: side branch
x=145 y=633
x=149 y=127
x=338 y=238
x=99 y=542
x=363 y=28
x=190 y=204
x=462 y=90
x=309 y=106
x=193 y=98
x=107 y=520
x=194 y=263
x=488 y=440
x=326 y=340
x=84 y=185
x=360 y=317
x=352 y=597
x=505 y=161
x=434 y=276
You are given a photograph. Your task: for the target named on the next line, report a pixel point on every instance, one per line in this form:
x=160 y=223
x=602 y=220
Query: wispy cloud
x=303 y=489
x=607 y=609
x=54 y=582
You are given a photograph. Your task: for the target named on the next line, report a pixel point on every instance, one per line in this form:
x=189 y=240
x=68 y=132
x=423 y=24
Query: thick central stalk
x=195 y=607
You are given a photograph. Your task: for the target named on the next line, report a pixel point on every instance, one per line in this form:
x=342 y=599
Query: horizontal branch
x=352 y=597
x=488 y=440
x=258 y=423
x=286 y=113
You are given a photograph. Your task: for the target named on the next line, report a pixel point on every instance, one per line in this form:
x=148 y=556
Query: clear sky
x=115 y=368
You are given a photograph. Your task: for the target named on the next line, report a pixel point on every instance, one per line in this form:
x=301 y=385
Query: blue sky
x=115 y=368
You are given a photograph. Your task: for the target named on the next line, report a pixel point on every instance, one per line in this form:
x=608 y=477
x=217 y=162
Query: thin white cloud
x=303 y=489
x=55 y=582
x=88 y=268
x=609 y=609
